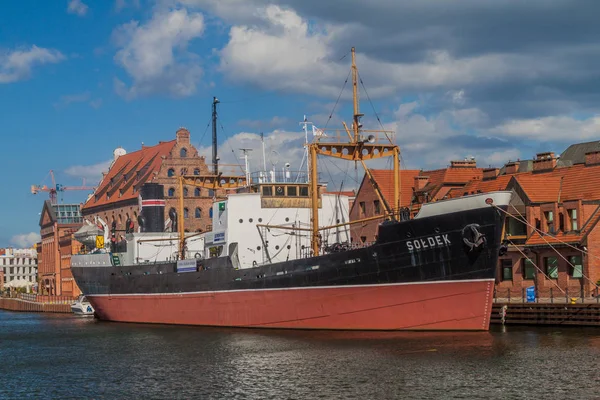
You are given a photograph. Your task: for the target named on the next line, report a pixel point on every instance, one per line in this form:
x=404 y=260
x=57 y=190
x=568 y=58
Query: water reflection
x=41 y=354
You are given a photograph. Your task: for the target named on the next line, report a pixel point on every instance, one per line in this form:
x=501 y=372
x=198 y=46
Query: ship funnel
x=153 y=207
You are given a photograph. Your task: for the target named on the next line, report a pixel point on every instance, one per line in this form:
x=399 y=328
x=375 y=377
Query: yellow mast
x=358 y=149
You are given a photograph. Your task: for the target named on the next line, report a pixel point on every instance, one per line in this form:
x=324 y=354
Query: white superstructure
x=237 y=229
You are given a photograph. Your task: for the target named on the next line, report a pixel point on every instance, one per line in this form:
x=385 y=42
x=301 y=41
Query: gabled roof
x=480 y=186
x=385 y=182
x=556 y=239
x=452 y=176
x=128 y=173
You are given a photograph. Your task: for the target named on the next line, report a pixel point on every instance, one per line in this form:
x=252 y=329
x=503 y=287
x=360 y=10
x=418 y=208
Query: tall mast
x=305 y=124
x=357 y=149
x=215 y=158
x=356 y=117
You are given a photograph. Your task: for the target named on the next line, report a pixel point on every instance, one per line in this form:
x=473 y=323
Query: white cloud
x=77 y=7
x=16 y=65
x=154 y=54
x=84 y=97
x=121 y=4
x=91 y=173
x=26 y=240
x=558 y=128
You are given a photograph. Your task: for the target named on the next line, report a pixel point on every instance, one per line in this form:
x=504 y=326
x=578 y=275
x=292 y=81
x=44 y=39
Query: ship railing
x=578 y=295
x=278 y=176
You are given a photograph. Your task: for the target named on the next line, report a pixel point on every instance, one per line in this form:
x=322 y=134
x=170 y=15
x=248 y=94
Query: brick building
x=416 y=187
x=367 y=204
x=58 y=222
x=559 y=196
x=116 y=197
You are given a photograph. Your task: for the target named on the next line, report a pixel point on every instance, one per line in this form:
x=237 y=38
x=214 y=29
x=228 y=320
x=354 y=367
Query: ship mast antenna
x=215 y=157
x=358 y=149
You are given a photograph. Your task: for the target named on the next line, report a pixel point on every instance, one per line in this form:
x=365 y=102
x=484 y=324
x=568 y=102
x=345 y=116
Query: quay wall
x=29 y=306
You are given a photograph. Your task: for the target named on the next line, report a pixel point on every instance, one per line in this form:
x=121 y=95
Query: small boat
x=82 y=306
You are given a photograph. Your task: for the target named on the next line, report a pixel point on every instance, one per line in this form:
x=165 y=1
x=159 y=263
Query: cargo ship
x=280 y=255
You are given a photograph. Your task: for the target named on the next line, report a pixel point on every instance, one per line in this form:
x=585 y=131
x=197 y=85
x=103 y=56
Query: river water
x=58 y=356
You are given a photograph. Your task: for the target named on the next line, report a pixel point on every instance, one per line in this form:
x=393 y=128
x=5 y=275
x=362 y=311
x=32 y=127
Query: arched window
x=171 y=192
x=196 y=171
x=211 y=193
x=183 y=152
x=171 y=172
x=198 y=212
x=185 y=192
x=197 y=192
x=186 y=213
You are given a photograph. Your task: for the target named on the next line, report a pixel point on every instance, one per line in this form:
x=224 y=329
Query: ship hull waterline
x=443 y=305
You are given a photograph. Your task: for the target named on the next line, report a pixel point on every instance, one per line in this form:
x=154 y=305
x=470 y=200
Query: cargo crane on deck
x=56 y=187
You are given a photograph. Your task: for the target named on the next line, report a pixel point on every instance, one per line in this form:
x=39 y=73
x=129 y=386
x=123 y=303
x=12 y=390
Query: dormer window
x=549 y=221
x=573 y=218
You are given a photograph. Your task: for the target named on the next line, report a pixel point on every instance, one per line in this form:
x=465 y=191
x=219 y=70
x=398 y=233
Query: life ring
x=472 y=237
x=197 y=255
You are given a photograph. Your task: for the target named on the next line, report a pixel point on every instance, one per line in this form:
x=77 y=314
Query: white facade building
x=19 y=267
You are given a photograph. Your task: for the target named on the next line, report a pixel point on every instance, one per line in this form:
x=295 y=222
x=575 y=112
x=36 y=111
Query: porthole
x=250 y=220
x=289 y=247
x=277 y=247
x=287 y=219
x=241 y=220
x=260 y=220
x=257 y=247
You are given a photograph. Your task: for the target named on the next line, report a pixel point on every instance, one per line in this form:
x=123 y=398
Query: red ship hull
x=443 y=305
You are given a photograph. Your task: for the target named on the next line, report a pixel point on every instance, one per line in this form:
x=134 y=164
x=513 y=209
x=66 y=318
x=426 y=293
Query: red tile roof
x=129 y=172
x=385 y=181
x=448 y=177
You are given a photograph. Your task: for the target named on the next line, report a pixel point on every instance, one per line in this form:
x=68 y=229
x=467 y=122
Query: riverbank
x=31 y=303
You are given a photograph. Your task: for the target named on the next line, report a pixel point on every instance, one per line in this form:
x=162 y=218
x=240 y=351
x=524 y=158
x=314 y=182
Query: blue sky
x=79 y=78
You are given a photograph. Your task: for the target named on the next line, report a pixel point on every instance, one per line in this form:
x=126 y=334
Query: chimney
x=592 y=158
x=544 y=162
x=511 y=167
x=471 y=163
x=490 y=173
x=421 y=181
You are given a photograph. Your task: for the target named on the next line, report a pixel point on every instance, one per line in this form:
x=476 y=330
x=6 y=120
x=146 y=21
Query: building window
x=196 y=171
x=538 y=224
x=576 y=266
x=183 y=152
x=185 y=192
x=197 y=192
x=267 y=191
x=171 y=172
x=183 y=171
x=171 y=192
x=210 y=214
x=528 y=269
x=292 y=191
x=549 y=215
x=377 y=207
x=561 y=222
x=551 y=264
x=573 y=218
x=363 y=239
x=186 y=213
x=211 y=193
x=198 y=212
x=507 y=270
x=362 y=208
